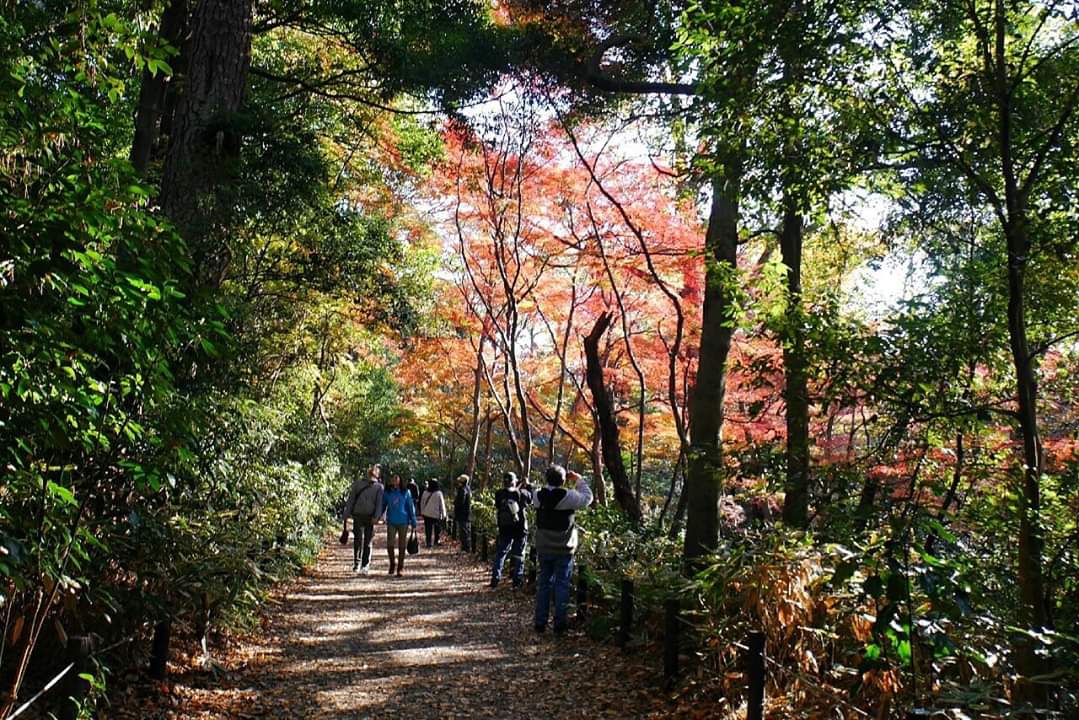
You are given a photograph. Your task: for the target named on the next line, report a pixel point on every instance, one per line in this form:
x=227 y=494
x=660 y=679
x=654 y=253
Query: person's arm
x=442 y=513
x=411 y=512
x=350 y=504
x=380 y=502
x=580 y=497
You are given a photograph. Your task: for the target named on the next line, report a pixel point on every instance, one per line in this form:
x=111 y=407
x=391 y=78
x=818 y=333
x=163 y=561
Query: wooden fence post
x=159 y=649
x=755 y=659
x=626 y=624
x=77 y=688
x=671 y=622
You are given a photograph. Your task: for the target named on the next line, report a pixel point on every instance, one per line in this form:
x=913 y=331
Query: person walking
x=512 y=520
x=433 y=510
x=400 y=520
x=414 y=491
x=462 y=512
x=556 y=542
x=364 y=506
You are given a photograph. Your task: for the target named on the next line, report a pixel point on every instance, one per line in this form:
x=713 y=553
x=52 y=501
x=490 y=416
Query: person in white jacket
x=556 y=542
x=433 y=510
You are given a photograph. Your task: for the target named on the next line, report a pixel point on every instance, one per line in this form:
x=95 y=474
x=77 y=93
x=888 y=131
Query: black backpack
x=509 y=511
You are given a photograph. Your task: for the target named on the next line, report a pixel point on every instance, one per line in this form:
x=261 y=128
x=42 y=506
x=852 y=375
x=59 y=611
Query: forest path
x=435 y=643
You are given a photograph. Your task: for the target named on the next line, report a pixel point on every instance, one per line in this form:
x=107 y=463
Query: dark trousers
x=431 y=526
x=464 y=530
x=512 y=545
x=361 y=543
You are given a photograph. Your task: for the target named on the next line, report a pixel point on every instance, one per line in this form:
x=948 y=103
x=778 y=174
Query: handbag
x=413 y=546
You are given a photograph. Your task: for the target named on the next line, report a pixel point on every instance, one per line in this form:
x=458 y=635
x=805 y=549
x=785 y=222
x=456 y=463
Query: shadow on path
x=435 y=643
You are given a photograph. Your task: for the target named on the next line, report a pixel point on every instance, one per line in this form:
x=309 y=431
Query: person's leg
x=543 y=590
x=517 y=556
x=391 y=532
x=402 y=539
x=563 y=569
x=438 y=531
x=368 y=533
x=502 y=549
x=357 y=544
x=466 y=539
x=428 y=530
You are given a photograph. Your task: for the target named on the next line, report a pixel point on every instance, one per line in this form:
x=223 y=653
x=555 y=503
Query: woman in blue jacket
x=400 y=521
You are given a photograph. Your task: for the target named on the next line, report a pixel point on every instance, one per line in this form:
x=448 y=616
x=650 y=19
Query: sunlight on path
x=436 y=643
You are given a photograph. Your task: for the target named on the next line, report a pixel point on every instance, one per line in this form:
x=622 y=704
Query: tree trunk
x=562 y=370
x=1034 y=612
x=155 y=87
x=487 y=443
x=612 y=450
x=598 y=483
x=705 y=470
x=796 y=392
x=205 y=143
x=474 y=443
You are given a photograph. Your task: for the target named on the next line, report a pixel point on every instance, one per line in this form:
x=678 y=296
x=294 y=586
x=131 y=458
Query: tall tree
x=999 y=117
x=207 y=132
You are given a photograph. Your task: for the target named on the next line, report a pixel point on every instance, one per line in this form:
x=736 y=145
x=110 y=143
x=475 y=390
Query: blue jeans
x=512 y=545
x=554 y=570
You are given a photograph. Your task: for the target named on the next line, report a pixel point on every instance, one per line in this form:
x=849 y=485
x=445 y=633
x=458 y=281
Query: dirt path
x=436 y=643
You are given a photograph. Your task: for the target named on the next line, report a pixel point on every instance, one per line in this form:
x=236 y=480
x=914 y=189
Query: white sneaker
x=364 y=570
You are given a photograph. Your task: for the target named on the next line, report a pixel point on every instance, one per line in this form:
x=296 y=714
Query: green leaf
x=61 y=493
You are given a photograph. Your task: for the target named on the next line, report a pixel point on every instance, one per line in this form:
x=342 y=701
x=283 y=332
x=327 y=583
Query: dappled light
x=725 y=356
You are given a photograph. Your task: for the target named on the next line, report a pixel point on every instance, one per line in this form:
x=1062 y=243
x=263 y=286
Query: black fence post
x=626 y=624
x=78 y=688
x=582 y=593
x=671 y=622
x=755 y=659
x=483 y=546
x=159 y=649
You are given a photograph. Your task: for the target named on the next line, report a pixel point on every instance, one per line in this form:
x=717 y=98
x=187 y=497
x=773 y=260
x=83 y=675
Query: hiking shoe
x=494 y=582
x=540 y=628
x=355 y=567
x=559 y=629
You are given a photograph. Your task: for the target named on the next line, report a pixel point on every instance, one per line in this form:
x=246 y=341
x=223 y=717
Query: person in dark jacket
x=364 y=506
x=556 y=542
x=462 y=512
x=512 y=519
x=414 y=491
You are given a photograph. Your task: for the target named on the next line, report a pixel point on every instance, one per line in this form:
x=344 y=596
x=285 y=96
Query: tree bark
x=705 y=469
x=474 y=443
x=156 y=87
x=796 y=390
x=612 y=450
x=598 y=483
x=205 y=143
